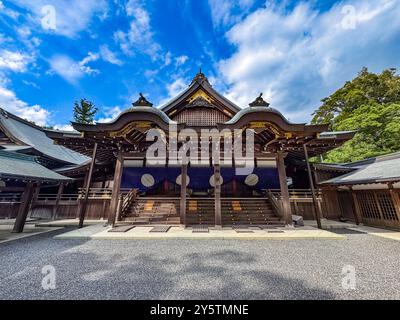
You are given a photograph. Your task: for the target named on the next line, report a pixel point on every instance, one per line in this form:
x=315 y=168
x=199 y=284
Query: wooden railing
x=96 y=193
x=275 y=202
x=10 y=197
x=127 y=201
x=296 y=193
x=48 y=197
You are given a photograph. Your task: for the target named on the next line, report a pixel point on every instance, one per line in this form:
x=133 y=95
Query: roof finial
x=142 y=102
x=199 y=77
x=259 y=102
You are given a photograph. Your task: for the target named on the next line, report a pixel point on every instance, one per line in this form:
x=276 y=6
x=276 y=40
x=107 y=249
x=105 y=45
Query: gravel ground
x=200 y=269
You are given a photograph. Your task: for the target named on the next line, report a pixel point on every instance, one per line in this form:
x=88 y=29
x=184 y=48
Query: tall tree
x=370 y=104
x=84 y=111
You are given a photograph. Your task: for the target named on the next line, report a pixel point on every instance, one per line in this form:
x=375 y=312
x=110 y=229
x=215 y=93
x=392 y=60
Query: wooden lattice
x=201 y=117
x=377 y=205
x=368 y=205
x=387 y=206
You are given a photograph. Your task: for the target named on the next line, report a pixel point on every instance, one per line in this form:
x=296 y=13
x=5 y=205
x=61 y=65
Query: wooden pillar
x=234 y=186
x=23 y=210
x=356 y=207
x=287 y=211
x=315 y=203
x=112 y=213
x=217 y=195
x=34 y=199
x=395 y=199
x=88 y=182
x=183 y=194
x=55 y=208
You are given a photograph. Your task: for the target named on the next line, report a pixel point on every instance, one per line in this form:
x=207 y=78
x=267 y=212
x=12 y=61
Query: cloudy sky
x=53 y=52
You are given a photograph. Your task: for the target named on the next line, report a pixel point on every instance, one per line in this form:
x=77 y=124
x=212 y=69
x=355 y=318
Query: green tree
x=84 y=111
x=370 y=104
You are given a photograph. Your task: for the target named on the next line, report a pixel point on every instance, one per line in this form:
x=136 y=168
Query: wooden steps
x=154 y=210
x=201 y=211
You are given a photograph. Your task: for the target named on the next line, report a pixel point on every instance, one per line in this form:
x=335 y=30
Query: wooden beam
x=23 y=210
x=315 y=201
x=88 y=182
x=287 y=211
x=183 y=194
x=119 y=166
x=217 y=195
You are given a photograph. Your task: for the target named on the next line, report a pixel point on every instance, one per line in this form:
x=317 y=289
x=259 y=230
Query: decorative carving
x=142 y=102
x=259 y=102
x=136 y=125
x=200 y=102
x=200 y=94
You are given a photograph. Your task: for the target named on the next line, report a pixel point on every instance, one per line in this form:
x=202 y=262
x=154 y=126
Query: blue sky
x=55 y=52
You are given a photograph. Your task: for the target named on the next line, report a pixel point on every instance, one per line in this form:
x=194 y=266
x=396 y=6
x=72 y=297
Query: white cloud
x=63 y=127
x=10 y=102
x=174 y=89
x=110 y=114
x=67 y=68
x=180 y=60
x=84 y=64
x=8 y=12
x=72 y=16
x=14 y=61
x=227 y=12
x=71 y=70
x=139 y=36
x=109 y=56
x=300 y=56
x=167 y=59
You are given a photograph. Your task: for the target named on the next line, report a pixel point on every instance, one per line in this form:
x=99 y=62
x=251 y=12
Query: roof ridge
x=8 y=114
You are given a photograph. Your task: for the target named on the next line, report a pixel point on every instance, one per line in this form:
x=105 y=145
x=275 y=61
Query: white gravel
x=200 y=269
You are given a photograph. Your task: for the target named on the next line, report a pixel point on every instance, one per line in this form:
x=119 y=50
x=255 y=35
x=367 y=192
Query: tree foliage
x=84 y=111
x=370 y=104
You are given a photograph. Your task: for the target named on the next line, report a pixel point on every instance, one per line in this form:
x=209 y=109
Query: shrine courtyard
x=200 y=269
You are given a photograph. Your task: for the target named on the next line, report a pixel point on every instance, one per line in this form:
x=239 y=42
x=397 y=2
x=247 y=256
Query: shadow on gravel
x=200 y=276
x=122 y=270
x=344 y=231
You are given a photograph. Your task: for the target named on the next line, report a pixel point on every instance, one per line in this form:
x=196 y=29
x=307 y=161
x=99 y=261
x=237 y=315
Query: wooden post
x=23 y=210
x=119 y=207
x=34 y=199
x=356 y=211
x=217 y=195
x=88 y=182
x=55 y=208
x=315 y=203
x=287 y=211
x=112 y=213
x=183 y=194
x=395 y=199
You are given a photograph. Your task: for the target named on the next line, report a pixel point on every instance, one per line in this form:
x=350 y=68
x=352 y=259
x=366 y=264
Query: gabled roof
x=374 y=170
x=23 y=167
x=24 y=133
x=131 y=114
x=199 y=82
